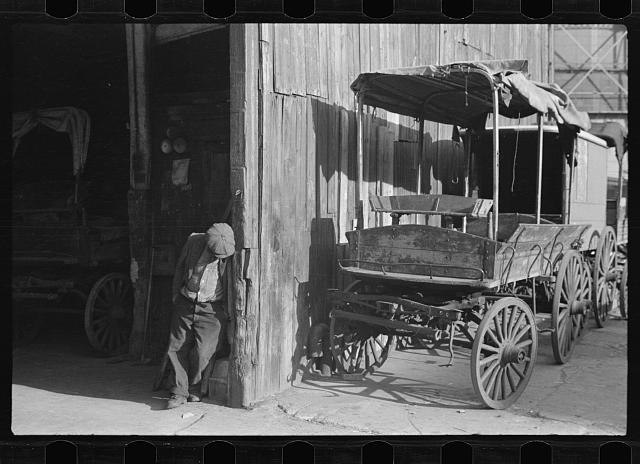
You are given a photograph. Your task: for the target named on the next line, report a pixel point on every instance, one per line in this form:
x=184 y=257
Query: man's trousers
x=197 y=326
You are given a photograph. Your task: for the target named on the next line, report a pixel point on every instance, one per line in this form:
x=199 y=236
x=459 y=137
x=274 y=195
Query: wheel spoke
x=521 y=333
x=493 y=349
x=489 y=371
x=498 y=327
x=497 y=385
x=504 y=322
x=488 y=359
x=524 y=344
x=493 y=337
x=505 y=386
x=375 y=355
x=516 y=322
x=492 y=379
x=517 y=371
x=512 y=384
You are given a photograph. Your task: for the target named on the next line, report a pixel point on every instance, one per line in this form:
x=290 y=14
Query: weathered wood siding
x=308 y=157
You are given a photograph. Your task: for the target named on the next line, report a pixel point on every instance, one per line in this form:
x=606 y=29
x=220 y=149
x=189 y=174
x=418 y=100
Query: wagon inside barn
x=70 y=247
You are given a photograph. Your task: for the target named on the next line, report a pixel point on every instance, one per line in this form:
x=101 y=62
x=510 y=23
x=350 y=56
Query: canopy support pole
x=496 y=166
x=419 y=167
x=567 y=179
x=467 y=161
x=361 y=200
x=619 y=215
x=539 y=169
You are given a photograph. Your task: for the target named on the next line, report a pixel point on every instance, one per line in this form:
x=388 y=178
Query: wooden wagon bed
x=433 y=256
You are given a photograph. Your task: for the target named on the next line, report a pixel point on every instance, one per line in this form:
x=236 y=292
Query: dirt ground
x=61 y=387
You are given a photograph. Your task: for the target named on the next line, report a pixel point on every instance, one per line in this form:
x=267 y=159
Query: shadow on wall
x=390 y=159
x=311 y=306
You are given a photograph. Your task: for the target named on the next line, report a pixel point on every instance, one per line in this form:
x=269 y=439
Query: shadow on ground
x=60 y=360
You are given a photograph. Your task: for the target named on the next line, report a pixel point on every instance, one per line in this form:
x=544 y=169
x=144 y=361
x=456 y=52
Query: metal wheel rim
x=508 y=327
x=605 y=262
x=108 y=314
x=573 y=284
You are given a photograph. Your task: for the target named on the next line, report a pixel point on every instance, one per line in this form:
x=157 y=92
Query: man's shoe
x=175 y=401
x=193 y=398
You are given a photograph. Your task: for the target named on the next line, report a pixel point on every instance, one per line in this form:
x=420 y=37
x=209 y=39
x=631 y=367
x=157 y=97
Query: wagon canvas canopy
x=614 y=133
x=461 y=93
x=74 y=121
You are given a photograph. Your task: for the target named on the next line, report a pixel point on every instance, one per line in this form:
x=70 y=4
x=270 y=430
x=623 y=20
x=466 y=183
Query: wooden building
x=269 y=120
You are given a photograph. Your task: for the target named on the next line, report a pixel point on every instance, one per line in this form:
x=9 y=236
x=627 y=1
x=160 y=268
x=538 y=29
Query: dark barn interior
x=87 y=67
x=84 y=67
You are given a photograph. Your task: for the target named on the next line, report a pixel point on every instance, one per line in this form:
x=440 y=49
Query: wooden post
x=467 y=156
x=129 y=33
x=246 y=105
x=138 y=37
x=539 y=169
x=496 y=164
x=362 y=193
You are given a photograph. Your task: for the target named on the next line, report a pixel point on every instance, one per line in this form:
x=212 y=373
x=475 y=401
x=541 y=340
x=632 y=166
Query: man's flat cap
x=220 y=240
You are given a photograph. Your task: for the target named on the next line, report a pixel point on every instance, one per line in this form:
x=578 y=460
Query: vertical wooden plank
x=244 y=144
x=334 y=62
x=343 y=175
x=381 y=132
x=385 y=60
x=282 y=59
x=343 y=70
x=374 y=47
x=322 y=136
x=370 y=153
x=387 y=183
x=310 y=160
x=323 y=71
x=298 y=57
x=365 y=48
x=353 y=168
x=332 y=158
x=312 y=56
x=301 y=176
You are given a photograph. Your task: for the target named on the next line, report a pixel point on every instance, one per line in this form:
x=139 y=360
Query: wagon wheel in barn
x=571 y=300
x=604 y=281
x=358 y=348
x=504 y=352
x=108 y=314
x=624 y=298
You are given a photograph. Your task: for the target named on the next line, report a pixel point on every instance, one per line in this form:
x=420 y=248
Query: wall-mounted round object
x=166 y=146
x=180 y=145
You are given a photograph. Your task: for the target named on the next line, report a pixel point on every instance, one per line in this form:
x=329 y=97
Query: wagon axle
x=511 y=354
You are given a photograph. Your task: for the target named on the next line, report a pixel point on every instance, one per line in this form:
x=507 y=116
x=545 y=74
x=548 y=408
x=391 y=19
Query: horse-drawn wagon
x=65 y=259
x=511 y=269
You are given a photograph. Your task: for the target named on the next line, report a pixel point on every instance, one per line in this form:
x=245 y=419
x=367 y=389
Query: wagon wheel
x=504 y=352
x=358 y=348
x=571 y=297
x=604 y=288
x=109 y=313
x=624 y=299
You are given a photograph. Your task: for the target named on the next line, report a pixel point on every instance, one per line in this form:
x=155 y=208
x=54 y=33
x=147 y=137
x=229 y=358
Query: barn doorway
x=70 y=176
